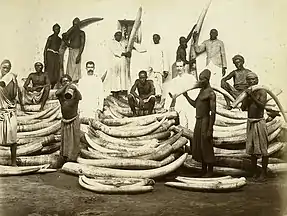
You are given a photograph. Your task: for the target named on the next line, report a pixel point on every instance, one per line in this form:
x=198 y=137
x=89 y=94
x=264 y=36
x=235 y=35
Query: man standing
x=118 y=77
x=8 y=117
x=39 y=92
x=75 y=40
x=181 y=51
x=205 y=105
x=93 y=102
x=257 y=135
x=145 y=99
x=215 y=56
x=52 y=57
x=239 y=79
x=158 y=63
x=69 y=98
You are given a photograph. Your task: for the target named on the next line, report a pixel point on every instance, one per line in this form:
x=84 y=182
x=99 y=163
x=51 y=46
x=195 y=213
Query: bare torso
x=202 y=103
x=69 y=107
x=75 y=38
x=55 y=42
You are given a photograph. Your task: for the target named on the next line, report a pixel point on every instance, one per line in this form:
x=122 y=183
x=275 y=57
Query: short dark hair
x=156 y=35
x=56 y=25
x=2 y=84
x=66 y=76
x=90 y=62
x=144 y=72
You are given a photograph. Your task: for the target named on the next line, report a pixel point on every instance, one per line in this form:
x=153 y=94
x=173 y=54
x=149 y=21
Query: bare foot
x=262 y=178
x=14 y=165
x=208 y=175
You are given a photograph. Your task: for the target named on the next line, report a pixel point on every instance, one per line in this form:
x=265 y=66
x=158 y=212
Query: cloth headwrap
x=251 y=75
x=205 y=74
x=5 y=61
x=238 y=57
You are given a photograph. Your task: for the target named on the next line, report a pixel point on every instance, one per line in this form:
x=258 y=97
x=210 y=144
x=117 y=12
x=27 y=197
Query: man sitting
x=39 y=92
x=145 y=99
x=239 y=79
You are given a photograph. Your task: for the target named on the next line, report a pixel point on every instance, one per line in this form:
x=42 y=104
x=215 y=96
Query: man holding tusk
x=257 y=135
x=205 y=105
x=69 y=97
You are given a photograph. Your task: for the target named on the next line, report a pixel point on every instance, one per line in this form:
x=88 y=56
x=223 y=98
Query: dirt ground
x=59 y=194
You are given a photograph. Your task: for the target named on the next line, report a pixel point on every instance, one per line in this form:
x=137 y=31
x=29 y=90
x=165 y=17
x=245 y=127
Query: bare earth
x=58 y=194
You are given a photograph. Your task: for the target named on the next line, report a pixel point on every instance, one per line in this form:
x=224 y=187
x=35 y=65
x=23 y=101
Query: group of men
x=142 y=96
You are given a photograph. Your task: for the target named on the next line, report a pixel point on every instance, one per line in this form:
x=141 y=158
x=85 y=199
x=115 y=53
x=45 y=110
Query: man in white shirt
x=215 y=56
x=92 y=90
x=158 y=65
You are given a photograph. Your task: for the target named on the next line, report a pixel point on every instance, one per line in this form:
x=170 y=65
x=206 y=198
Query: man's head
x=252 y=79
x=179 y=67
x=118 y=36
x=38 y=67
x=142 y=76
x=5 y=67
x=2 y=84
x=156 y=38
x=76 y=22
x=56 y=28
x=204 y=78
x=238 y=61
x=90 y=67
x=65 y=79
x=213 y=34
x=182 y=41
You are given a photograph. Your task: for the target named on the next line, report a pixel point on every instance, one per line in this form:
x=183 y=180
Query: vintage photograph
x=143 y=108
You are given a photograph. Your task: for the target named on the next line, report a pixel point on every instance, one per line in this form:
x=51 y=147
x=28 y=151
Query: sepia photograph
x=143 y=108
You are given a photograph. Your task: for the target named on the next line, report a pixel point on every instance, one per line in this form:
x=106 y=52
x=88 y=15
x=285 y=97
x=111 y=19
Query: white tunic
x=92 y=90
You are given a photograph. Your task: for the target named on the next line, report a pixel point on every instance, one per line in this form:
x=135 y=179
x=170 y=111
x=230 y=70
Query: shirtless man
x=239 y=79
x=257 y=135
x=69 y=97
x=52 y=57
x=75 y=40
x=205 y=105
x=39 y=92
x=145 y=99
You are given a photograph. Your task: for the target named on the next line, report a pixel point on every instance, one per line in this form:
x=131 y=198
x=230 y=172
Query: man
x=93 y=102
x=69 y=97
x=75 y=40
x=6 y=76
x=52 y=57
x=118 y=77
x=39 y=92
x=8 y=117
x=257 y=135
x=215 y=56
x=145 y=99
x=158 y=63
x=181 y=51
x=239 y=79
x=205 y=105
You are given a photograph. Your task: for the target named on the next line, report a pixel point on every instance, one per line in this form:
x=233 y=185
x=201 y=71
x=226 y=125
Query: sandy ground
x=60 y=194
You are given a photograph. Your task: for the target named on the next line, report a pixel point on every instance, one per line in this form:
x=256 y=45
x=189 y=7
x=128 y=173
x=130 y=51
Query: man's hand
x=165 y=74
x=128 y=54
x=223 y=71
x=39 y=88
x=192 y=61
x=248 y=92
x=78 y=59
x=209 y=133
x=141 y=103
x=195 y=35
x=185 y=94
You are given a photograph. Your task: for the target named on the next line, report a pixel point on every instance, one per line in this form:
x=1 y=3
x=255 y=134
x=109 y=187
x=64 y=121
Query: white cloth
x=92 y=90
x=216 y=75
x=117 y=77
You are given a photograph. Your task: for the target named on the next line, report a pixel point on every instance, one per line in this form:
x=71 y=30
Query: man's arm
x=27 y=82
x=182 y=55
x=261 y=100
x=133 y=90
x=190 y=101
x=212 y=104
x=61 y=91
x=228 y=77
x=45 y=50
x=245 y=103
x=190 y=33
x=199 y=48
x=47 y=81
x=223 y=55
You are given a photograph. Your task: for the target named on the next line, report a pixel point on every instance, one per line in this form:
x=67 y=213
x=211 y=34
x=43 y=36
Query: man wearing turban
x=205 y=105
x=257 y=135
x=239 y=79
